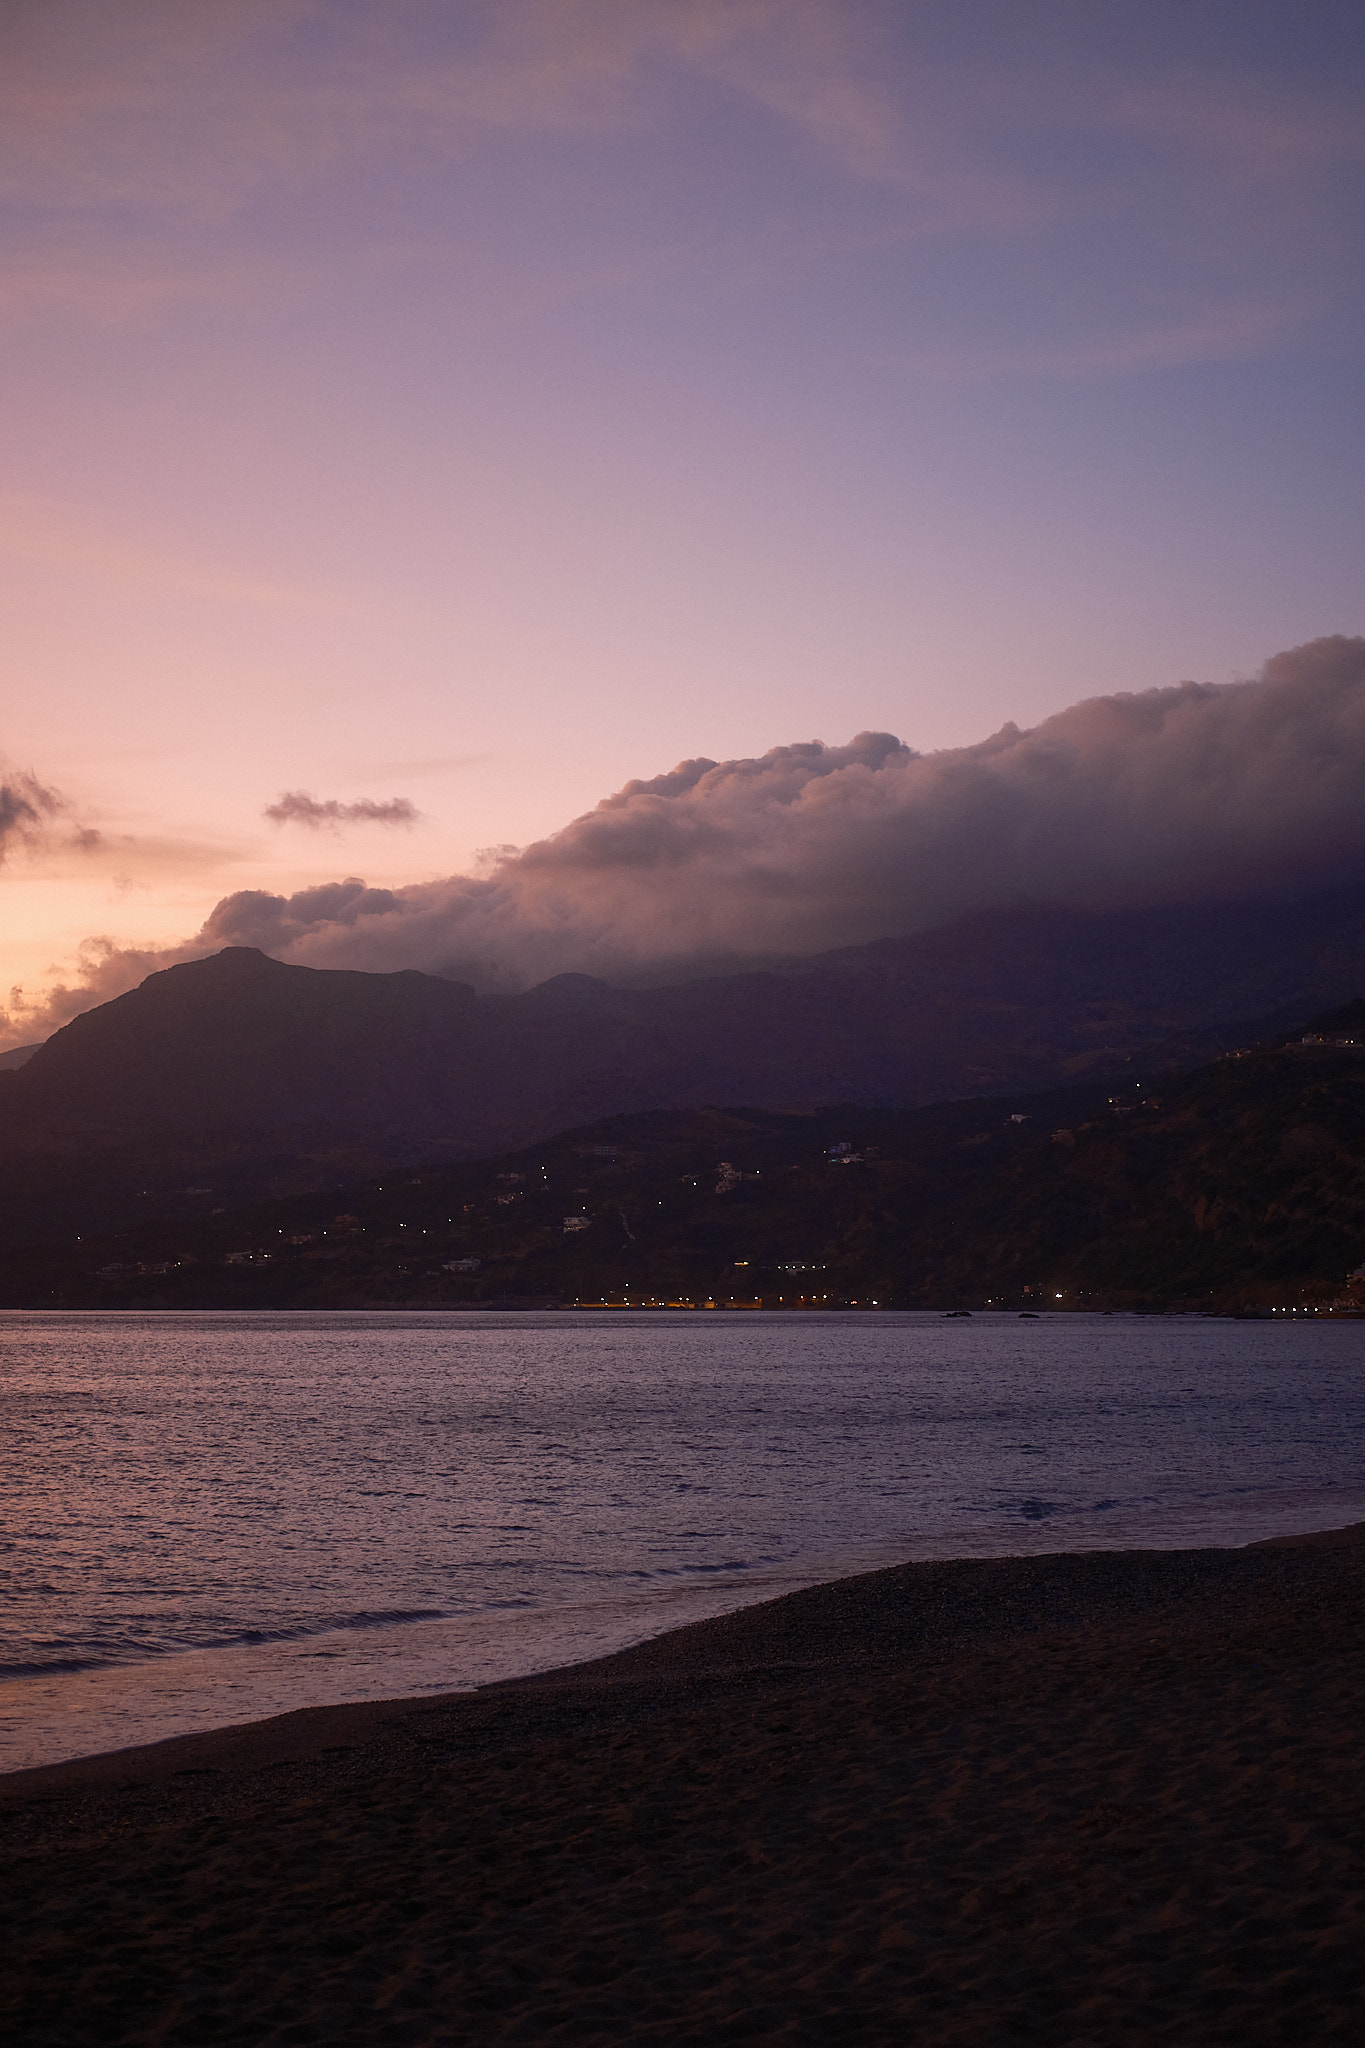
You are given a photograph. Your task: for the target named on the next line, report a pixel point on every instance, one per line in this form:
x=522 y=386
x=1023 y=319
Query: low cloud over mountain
x=1190 y=794
x=1199 y=793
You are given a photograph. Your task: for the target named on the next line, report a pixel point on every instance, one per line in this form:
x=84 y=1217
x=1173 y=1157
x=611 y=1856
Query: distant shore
x=1103 y=1797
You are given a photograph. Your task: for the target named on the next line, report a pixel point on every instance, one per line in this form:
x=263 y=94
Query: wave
x=246 y=1638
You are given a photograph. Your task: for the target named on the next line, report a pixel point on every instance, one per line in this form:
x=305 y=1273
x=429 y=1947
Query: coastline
x=1112 y=1794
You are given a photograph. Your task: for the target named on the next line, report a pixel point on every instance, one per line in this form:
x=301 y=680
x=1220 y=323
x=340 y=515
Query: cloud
x=430 y=765
x=26 y=806
x=104 y=970
x=193 y=111
x=255 y=917
x=171 y=125
x=1200 y=792
x=296 y=807
x=1197 y=793
x=52 y=537
x=1222 y=333
x=1194 y=793
x=30 y=812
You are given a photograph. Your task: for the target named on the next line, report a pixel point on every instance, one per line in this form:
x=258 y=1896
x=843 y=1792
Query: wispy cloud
x=38 y=821
x=159 y=128
x=48 y=535
x=296 y=807
x=135 y=860
x=136 y=284
x=1219 y=334
x=98 y=108
x=27 y=809
x=432 y=765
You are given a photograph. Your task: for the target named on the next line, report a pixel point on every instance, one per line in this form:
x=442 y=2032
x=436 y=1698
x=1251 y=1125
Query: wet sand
x=1100 y=1798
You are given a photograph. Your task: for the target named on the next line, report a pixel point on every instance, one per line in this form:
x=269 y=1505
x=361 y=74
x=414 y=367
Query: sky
x=424 y=424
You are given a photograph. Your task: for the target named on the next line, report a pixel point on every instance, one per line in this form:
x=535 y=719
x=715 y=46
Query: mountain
x=1238 y=1185
x=236 y=1076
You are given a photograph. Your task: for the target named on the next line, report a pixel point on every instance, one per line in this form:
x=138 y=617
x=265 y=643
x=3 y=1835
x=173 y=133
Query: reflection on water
x=208 y=1517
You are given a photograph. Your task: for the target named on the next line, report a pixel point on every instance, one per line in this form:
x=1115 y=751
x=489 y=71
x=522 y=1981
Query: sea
x=209 y=1518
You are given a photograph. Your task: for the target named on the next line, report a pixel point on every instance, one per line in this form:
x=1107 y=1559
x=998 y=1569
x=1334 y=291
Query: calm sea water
x=207 y=1518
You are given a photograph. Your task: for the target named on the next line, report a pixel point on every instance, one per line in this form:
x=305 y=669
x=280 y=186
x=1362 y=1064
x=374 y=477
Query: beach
x=1109 y=1797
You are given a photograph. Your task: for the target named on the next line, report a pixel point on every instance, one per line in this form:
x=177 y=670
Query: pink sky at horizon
x=486 y=404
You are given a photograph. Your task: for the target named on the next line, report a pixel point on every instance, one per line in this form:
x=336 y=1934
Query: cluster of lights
x=731 y=1301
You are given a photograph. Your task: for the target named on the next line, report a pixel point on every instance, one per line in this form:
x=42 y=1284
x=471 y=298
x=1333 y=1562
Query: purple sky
x=464 y=409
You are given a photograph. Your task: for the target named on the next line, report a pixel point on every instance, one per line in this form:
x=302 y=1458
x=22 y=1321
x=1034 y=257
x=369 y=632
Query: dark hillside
x=236 y=1077
x=1236 y=1186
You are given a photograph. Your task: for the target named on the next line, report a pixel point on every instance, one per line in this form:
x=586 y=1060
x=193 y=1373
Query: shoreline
x=307 y=1725
x=252 y=1731
x=1113 y=1795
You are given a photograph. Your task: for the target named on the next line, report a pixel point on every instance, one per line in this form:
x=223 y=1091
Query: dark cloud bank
x=1199 y=793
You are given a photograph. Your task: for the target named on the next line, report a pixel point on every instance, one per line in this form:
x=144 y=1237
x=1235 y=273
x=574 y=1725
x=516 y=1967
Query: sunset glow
x=446 y=414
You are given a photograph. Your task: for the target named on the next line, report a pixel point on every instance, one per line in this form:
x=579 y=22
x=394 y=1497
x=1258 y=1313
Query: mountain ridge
x=255 y=1076
x=1237 y=1186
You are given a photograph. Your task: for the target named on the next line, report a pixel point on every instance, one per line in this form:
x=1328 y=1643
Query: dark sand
x=1108 y=1798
